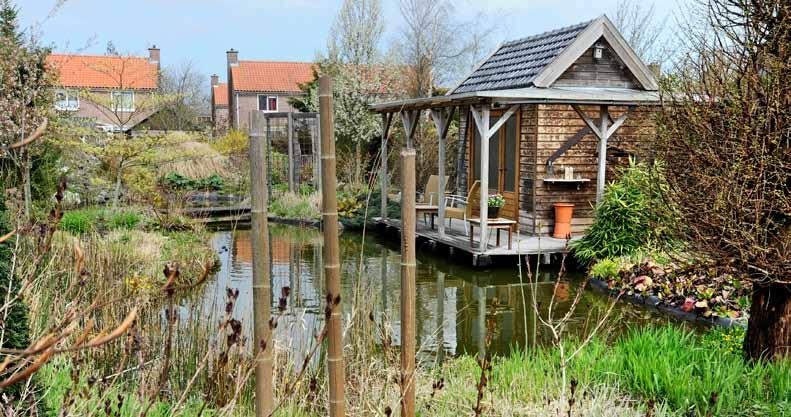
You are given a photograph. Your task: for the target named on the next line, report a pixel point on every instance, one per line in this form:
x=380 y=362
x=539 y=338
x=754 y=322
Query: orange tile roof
x=88 y=71
x=220 y=94
x=270 y=76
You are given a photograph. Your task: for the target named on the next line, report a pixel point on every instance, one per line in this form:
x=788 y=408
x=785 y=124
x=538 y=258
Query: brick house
x=262 y=85
x=219 y=104
x=109 y=92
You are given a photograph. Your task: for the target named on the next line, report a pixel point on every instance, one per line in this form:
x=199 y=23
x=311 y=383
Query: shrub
x=180 y=182
x=293 y=206
x=606 y=269
x=234 y=143
x=632 y=216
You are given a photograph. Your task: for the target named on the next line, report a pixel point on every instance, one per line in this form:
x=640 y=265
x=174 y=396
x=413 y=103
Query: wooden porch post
x=441 y=119
x=603 y=132
x=410 y=119
x=482 y=121
x=383 y=180
x=408 y=282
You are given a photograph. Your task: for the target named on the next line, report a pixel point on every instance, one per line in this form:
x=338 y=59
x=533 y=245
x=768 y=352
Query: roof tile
x=270 y=76
x=89 y=71
x=516 y=63
x=220 y=94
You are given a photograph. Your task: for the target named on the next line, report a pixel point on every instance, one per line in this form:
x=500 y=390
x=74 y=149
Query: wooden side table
x=426 y=209
x=496 y=224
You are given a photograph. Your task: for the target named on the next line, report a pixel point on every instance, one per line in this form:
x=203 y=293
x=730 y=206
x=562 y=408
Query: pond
x=456 y=304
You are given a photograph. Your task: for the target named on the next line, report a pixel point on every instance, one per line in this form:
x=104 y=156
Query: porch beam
x=604 y=119
x=387 y=119
x=410 y=120
x=441 y=118
x=588 y=121
x=618 y=122
x=481 y=117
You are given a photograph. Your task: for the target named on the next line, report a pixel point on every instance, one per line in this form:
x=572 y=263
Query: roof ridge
x=276 y=62
x=549 y=32
x=100 y=56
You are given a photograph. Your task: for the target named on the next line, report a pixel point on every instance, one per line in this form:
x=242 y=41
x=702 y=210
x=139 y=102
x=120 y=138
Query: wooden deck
x=456 y=238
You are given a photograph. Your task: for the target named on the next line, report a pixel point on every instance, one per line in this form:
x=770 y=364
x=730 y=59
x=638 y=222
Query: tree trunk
x=769 y=329
x=27 y=185
x=117 y=194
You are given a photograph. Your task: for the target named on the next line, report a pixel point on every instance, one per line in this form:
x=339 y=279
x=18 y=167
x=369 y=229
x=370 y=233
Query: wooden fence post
x=268 y=156
x=408 y=282
x=262 y=298
x=329 y=208
x=291 y=170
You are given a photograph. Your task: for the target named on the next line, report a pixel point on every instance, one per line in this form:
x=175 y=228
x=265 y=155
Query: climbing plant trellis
x=296 y=137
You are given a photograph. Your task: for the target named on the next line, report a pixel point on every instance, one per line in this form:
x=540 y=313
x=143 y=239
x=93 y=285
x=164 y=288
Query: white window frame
x=69 y=95
x=268 y=96
x=122 y=109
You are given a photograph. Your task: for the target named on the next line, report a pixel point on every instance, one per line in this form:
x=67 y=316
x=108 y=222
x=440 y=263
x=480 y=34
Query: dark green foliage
x=15 y=327
x=631 y=218
x=179 y=182
x=9 y=26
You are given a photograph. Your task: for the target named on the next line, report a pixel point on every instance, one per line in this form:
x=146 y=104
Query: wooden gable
x=607 y=71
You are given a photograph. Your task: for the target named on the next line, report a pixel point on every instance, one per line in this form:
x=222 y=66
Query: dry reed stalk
x=262 y=328
x=408 y=267
x=329 y=216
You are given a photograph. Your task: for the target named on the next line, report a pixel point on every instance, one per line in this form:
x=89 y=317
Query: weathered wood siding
x=527 y=167
x=609 y=71
x=557 y=123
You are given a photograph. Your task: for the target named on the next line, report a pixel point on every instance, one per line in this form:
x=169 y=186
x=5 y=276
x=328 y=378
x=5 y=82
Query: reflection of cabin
x=548 y=104
x=243 y=249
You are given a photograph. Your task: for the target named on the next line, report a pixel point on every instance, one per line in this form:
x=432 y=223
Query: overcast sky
x=288 y=30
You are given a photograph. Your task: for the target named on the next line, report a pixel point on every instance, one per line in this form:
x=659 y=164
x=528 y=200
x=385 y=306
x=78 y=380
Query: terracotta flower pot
x=563 y=215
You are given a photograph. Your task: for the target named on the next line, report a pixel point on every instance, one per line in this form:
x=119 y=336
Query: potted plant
x=495 y=202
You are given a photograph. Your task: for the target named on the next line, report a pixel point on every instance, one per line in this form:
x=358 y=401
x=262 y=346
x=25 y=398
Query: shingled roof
x=271 y=76
x=119 y=72
x=538 y=60
x=516 y=63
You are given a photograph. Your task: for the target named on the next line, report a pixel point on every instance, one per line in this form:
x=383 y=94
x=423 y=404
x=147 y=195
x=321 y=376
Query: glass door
x=503 y=162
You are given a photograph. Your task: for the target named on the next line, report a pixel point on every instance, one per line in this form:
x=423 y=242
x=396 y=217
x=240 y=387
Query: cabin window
x=503 y=154
x=267 y=103
x=67 y=100
x=123 y=101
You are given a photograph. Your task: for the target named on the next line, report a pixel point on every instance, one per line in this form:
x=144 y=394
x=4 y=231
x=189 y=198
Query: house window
x=67 y=100
x=123 y=101
x=267 y=103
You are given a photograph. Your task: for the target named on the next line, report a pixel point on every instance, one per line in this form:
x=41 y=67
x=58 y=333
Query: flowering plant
x=496 y=200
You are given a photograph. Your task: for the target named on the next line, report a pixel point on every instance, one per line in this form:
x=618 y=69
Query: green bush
x=606 y=269
x=632 y=216
x=76 y=222
x=180 y=182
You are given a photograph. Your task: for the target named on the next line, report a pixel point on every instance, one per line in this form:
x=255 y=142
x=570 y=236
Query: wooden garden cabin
x=559 y=99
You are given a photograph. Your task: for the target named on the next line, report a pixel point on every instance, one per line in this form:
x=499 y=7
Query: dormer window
x=122 y=101
x=67 y=100
x=267 y=103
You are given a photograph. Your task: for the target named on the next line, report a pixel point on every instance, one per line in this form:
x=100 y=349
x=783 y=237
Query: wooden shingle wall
x=609 y=71
x=557 y=123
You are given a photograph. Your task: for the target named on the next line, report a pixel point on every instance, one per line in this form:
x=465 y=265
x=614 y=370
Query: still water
x=456 y=304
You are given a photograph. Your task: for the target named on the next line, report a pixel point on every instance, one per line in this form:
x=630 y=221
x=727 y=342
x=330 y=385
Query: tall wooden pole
x=269 y=155
x=407 y=282
x=384 y=182
x=329 y=215
x=484 y=201
x=262 y=298
x=290 y=122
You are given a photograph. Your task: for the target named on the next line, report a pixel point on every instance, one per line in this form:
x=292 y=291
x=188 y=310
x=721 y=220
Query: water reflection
x=454 y=302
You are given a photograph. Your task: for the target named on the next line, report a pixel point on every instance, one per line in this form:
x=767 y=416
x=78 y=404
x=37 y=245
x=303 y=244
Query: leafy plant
x=124 y=220
x=632 y=216
x=606 y=269
x=180 y=182
x=76 y=222
x=496 y=200
x=350 y=204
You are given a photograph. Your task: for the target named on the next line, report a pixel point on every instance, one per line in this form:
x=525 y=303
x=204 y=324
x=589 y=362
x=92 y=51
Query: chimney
x=655 y=68
x=215 y=80
x=153 y=55
x=233 y=57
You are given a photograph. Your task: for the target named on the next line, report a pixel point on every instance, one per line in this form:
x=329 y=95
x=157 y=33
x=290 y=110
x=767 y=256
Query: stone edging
x=654 y=303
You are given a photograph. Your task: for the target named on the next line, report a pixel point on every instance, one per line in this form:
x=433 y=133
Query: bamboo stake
x=329 y=208
x=262 y=295
x=407 y=282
